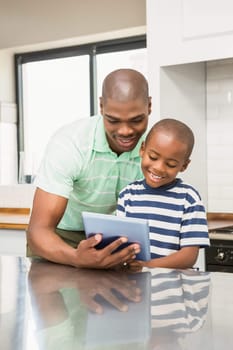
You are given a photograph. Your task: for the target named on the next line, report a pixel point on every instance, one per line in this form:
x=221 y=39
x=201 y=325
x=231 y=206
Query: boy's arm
x=183 y=259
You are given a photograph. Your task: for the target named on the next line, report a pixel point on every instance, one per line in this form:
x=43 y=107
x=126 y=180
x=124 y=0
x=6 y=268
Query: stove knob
x=220 y=256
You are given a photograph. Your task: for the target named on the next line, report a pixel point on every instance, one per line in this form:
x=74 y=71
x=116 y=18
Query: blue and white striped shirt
x=175 y=213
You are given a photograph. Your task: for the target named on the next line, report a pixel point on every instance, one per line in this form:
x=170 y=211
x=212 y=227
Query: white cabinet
x=183 y=31
x=12 y=242
x=190 y=55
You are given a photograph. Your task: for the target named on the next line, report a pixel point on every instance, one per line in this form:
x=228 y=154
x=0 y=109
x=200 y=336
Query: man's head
x=166 y=151
x=125 y=105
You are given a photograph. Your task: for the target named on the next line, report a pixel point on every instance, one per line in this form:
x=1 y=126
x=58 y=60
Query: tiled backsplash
x=219 y=99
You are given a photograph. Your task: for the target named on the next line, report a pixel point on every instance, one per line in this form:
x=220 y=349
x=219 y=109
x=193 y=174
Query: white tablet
x=112 y=227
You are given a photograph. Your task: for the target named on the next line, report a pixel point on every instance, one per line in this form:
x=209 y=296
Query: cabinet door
x=184 y=31
x=12 y=242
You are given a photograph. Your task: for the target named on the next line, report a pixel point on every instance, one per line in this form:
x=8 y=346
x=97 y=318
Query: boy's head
x=166 y=151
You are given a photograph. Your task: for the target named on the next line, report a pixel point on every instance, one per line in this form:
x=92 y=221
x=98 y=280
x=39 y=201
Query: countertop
x=45 y=306
x=18 y=218
x=14 y=218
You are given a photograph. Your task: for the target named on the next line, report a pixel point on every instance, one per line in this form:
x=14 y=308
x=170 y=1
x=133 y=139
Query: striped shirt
x=79 y=165
x=175 y=213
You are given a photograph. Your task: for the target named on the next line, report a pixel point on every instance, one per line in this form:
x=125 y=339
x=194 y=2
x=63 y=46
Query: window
x=58 y=86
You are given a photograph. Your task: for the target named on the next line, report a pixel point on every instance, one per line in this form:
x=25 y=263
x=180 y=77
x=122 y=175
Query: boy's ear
x=142 y=149
x=185 y=165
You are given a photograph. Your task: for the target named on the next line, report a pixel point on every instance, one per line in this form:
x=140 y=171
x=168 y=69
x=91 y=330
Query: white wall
x=183 y=97
x=219 y=85
x=184 y=37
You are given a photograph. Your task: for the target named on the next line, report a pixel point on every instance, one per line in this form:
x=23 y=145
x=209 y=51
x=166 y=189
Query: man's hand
x=88 y=256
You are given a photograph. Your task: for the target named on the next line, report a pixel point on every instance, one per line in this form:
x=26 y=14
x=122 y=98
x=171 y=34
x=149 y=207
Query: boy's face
x=124 y=122
x=163 y=157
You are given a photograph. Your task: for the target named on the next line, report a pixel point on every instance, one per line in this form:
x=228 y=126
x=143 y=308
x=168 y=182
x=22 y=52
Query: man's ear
x=185 y=165
x=149 y=105
x=142 y=149
x=101 y=105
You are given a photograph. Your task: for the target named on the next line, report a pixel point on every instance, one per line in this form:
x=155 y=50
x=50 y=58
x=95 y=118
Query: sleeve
x=194 y=228
x=121 y=210
x=61 y=165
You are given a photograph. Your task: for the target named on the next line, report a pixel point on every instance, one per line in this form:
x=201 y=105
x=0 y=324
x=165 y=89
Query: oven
x=219 y=256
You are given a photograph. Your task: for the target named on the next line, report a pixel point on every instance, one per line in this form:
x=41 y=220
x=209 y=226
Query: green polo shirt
x=79 y=165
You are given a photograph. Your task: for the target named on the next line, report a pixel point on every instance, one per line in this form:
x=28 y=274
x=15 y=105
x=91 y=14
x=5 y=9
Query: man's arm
x=47 y=211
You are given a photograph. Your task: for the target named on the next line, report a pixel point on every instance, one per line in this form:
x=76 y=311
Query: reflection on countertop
x=47 y=306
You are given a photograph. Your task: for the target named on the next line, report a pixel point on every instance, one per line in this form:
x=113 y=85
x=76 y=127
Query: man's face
x=124 y=122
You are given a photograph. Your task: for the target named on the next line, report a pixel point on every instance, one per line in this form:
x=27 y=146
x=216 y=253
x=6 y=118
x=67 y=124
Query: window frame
x=91 y=49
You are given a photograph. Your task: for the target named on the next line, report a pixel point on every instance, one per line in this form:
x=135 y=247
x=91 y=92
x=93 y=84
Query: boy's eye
x=171 y=165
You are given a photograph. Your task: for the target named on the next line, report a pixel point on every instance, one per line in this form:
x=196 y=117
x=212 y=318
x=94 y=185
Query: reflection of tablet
x=112 y=227
x=114 y=328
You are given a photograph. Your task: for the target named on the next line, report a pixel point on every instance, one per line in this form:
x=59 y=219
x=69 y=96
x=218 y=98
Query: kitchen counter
x=14 y=218
x=216 y=221
x=19 y=218
x=47 y=306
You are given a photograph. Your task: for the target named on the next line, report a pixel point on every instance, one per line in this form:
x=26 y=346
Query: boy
x=174 y=210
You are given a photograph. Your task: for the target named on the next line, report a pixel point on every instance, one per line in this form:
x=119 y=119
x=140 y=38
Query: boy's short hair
x=178 y=129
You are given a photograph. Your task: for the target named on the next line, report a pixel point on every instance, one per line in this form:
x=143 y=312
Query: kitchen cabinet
x=12 y=242
x=13 y=225
x=190 y=60
x=185 y=31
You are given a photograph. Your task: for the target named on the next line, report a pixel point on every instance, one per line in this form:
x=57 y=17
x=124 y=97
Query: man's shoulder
x=80 y=132
x=81 y=125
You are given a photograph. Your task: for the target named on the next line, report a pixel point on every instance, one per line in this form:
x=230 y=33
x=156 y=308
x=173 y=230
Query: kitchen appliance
x=219 y=256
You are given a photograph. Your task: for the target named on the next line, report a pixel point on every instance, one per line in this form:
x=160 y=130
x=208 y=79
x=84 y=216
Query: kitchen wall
x=219 y=111
x=190 y=71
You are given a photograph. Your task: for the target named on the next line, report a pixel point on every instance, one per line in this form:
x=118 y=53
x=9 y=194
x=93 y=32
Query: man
x=86 y=165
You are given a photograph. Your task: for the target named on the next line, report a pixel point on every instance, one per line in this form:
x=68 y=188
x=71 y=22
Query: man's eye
x=137 y=121
x=113 y=121
x=153 y=158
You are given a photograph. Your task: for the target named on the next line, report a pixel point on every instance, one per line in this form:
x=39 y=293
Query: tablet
x=112 y=227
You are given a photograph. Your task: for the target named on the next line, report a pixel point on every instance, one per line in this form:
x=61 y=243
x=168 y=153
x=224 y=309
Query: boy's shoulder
x=188 y=189
x=136 y=185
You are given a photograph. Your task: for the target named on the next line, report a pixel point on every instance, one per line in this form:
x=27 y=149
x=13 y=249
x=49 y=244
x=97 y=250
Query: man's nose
x=125 y=130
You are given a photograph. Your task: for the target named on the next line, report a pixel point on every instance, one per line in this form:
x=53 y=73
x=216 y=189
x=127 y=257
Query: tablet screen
x=112 y=227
